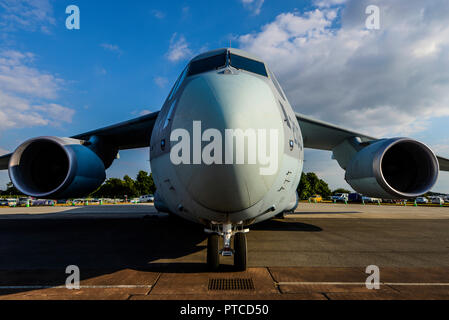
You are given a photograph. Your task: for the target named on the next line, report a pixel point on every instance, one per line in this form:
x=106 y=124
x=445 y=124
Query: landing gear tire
x=240 y=252
x=213 y=258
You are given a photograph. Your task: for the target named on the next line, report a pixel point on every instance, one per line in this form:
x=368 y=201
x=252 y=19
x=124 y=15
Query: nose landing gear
x=227 y=231
x=213 y=258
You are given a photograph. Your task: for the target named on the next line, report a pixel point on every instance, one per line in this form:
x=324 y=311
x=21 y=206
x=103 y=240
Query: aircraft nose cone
x=236 y=101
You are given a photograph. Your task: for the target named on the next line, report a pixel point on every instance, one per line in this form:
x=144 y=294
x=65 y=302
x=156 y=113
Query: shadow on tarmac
x=37 y=251
x=283 y=225
x=327 y=212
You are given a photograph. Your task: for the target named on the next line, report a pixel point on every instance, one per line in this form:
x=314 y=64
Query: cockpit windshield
x=250 y=65
x=224 y=59
x=207 y=64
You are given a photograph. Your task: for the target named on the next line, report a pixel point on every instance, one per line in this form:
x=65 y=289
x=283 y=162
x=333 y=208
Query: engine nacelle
x=53 y=167
x=397 y=168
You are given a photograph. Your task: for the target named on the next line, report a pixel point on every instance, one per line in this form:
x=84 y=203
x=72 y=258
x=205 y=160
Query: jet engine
x=53 y=167
x=397 y=168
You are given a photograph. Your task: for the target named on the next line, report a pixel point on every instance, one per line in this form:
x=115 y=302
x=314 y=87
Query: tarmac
x=131 y=252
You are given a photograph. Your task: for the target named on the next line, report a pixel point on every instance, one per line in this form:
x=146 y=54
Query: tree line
x=118 y=188
x=111 y=188
x=310 y=184
x=10 y=190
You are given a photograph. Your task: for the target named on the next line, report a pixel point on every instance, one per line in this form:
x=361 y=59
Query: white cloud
x=144 y=112
x=28 y=15
x=112 y=47
x=3 y=151
x=185 y=12
x=179 y=48
x=100 y=71
x=161 y=81
x=16 y=75
x=158 y=14
x=442 y=147
x=26 y=94
x=383 y=82
x=253 y=5
x=328 y=3
x=56 y=112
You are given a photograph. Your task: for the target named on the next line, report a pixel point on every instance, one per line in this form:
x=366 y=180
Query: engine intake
x=53 y=167
x=395 y=168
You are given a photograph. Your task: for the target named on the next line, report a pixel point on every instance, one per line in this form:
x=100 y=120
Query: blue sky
x=127 y=54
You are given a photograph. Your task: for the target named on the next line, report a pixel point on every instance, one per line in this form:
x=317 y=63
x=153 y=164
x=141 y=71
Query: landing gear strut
x=227 y=231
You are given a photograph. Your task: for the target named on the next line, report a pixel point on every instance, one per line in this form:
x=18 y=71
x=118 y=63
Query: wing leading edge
x=4 y=160
x=444 y=163
x=131 y=134
x=326 y=136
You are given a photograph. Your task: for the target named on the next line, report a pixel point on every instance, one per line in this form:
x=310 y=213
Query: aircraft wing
x=135 y=133
x=444 y=164
x=4 y=160
x=131 y=134
x=326 y=136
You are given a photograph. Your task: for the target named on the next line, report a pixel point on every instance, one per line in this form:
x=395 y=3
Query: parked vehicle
x=446 y=199
x=78 y=201
x=12 y=202
x=146 y=198
x=108 y=200
x=8 y=202
x=25 y=200
x=355 y=197
x=437 y=200
x=422 y=200
x=366 y=199
x=394 y=201
x=371 y=200
x=43 y=202
x=94 y=201
x=316 y=198
x=38 y=202
x=340 y=197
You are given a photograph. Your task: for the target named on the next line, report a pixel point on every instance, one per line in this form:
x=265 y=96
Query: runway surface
x=132 y=252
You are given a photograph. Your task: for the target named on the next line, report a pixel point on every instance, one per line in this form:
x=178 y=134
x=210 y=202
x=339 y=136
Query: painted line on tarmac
x=38 y=287
x=363 y=283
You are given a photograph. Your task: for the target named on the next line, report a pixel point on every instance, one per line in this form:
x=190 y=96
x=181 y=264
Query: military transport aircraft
x=224 y=96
